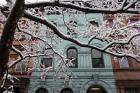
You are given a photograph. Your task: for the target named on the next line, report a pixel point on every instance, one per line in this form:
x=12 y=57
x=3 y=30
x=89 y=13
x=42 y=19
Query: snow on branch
x=94 y=6
x=121 y=33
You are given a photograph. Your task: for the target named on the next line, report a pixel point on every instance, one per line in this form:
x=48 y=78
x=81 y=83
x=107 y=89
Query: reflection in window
x=133 y=20
x=97 y=59
x=66 y=90
x=123 y=62
x=46 y=62
x=131 y=90
x=72 y=54
x=41 y=90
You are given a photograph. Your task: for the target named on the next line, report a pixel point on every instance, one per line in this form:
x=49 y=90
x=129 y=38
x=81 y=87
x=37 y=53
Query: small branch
x=56 y=31
x=17 y=51
x=122 y=43
x=45 y=41
x=64 y=21
x=4 y=79
x=129 y=5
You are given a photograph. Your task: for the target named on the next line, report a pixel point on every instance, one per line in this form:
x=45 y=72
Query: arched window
x=96 y=89
x=41 y=90
x=66 y=90
x=72 y=54
x=97 y=59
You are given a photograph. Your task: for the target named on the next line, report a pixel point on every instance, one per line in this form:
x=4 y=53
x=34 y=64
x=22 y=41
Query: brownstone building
x=127 y=75
x=19 y=73
x=126 y=70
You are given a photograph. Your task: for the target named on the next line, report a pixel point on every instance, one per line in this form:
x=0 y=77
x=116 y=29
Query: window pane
x=72 y=53
x=97 y=60
x=131 y=90
x=46 y=62
x=96 y=53
x=97 y=63
x=123 y=62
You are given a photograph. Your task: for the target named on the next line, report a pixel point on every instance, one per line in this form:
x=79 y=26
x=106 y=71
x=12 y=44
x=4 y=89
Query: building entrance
x=66 y=90
x=96 y=89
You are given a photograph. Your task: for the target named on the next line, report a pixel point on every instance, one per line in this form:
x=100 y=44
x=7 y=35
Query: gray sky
x=30 y=1
x=4 y=2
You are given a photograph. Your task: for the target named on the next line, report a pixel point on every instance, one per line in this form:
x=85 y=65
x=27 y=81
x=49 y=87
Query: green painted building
x=92 y=70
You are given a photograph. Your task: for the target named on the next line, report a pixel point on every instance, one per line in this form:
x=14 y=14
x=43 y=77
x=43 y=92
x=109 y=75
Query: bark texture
x=8 y=35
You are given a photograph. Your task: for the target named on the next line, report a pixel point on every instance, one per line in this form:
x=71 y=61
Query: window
x=123 y=62
x=72 y=54
x=66 y=90
x=131 y=90
x=133 y=20
x=109 y=23
x=97 y=59
x=21 y=66
x=41 y=90
x=46 y=62
x=94 y=23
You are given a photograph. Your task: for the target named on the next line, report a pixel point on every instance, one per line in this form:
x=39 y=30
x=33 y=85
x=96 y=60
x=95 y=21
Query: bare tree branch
x=57 y=32
x=80 y=8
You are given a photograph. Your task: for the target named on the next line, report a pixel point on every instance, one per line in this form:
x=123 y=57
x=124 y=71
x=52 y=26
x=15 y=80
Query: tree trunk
x=8 y=35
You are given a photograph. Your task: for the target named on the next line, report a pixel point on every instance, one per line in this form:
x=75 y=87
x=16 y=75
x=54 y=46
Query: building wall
x=85 y=75
x=127 y=77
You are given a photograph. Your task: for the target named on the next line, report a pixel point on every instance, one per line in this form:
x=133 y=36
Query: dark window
x=66 y=90
x=72 y=54
x=94 y=23
x=41 y=90
x=97 y=59
x=46 y=62
x=131 y=90
x=133 y=20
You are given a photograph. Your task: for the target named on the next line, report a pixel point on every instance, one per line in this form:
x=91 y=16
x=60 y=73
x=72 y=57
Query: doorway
x=96 y=89
x=66 y=90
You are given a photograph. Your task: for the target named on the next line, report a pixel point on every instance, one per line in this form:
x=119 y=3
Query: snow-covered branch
x=120 y=8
